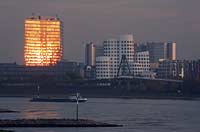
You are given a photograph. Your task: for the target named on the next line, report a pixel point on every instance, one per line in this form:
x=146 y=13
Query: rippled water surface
x=137 y=115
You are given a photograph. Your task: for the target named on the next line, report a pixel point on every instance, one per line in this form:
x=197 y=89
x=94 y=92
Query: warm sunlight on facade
x=43 y=41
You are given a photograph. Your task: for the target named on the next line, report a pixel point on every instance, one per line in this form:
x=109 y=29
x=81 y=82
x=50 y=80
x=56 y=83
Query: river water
x=137 y=115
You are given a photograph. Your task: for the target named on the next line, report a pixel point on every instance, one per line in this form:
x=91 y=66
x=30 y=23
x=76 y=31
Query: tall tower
x=161 y=50
x=43 y=41
x=90 y=54
x=171 y=51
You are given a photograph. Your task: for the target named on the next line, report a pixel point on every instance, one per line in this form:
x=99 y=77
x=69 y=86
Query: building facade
x=90 y=72
x=43 y=40
x=115 y=48
x=142 y=64
x=159 y=50
x=179 y=69
x=12 y=72
x=171 y=51
x=90 y=49
x=169 y=69
x=99 y=50
x=103 y=67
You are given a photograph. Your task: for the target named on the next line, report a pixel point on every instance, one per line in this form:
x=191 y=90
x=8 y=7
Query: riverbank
x=7 y=111
x=6 y=131
x=163 y=97
x=54 y=123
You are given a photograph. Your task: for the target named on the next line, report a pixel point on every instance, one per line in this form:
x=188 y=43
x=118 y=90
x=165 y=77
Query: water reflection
x=136 y=115
x=37 y=114
x=41 y=110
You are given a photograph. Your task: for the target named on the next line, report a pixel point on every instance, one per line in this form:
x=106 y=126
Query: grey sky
x=96 y=20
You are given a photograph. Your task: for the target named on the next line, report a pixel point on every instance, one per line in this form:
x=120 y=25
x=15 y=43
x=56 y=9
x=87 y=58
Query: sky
x=97 y=20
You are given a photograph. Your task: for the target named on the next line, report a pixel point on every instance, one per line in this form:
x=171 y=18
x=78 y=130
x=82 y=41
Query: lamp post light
x=77 y=99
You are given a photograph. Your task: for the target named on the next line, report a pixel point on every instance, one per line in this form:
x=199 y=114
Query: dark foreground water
x=137 y=115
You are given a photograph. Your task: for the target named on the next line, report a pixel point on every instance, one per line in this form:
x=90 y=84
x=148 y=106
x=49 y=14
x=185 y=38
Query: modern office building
x=103 y=67
x=142 y=64
x=179 y=69
x=99 y=50
x=43 y=41
x=12 y=72
x=90 y=54
x=159 y=50
x=169 y=69
x=171 y=51
x=191 y=69
x=114 y=49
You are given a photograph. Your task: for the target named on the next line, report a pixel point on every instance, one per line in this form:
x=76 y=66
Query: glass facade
x=43 y=41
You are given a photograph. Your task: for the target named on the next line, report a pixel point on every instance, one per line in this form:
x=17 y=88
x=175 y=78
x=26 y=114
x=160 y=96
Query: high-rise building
x=114 y=49
x=90 y=54
x=171 y=51
x=159 y=50
x=43 y=40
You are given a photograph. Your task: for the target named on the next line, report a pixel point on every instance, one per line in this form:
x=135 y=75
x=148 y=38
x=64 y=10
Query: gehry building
x=114 y=49
x=141 y=64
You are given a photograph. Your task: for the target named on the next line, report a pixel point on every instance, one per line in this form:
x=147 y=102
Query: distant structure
x=142 y=65
x=58 y=72
x=179 y=69
x=159 y=50
x=43 y=41
x=89 y=72
x=103 y=67
x=90 y=54
x=99 y=50
x=171 y=51
x=169 y=69
x=114 y=49
x=124 y=68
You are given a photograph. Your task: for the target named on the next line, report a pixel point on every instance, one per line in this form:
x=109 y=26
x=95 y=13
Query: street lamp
x=77 y=99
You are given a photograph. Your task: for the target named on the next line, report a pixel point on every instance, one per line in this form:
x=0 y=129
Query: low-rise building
x=59 y=72
x=179 y=69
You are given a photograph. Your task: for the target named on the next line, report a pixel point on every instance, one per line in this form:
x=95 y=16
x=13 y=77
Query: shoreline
x=55 y=123
x=6 y=131
x=170 y=97
x=8 y=111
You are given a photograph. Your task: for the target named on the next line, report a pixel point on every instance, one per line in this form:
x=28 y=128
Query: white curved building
x=111 y=50
x=103 y=67
x=115 y=48
x=142 y=64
